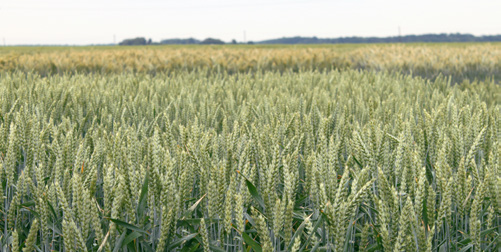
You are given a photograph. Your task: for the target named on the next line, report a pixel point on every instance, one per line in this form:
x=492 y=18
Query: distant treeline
x=143 y=41
x=426 y=38
x=136 y=41
x=430 y=38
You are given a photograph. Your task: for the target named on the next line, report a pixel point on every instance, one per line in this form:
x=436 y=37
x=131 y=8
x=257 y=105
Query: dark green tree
x=212 y=41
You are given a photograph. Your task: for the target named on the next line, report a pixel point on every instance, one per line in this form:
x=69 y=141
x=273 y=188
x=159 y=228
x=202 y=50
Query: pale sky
x=99 y=21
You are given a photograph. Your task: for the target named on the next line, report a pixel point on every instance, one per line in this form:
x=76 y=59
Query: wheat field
x=471 y=61
x=328 y=148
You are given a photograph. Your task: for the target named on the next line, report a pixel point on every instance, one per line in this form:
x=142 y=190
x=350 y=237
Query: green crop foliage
x=189 y=158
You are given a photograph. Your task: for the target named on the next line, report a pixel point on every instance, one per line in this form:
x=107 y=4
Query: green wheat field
x=251 y=148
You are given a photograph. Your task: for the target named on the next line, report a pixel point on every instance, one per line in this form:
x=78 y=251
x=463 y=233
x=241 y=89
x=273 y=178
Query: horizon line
x=263 y=42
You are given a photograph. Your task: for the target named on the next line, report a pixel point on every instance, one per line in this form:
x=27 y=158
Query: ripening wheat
x=219 y=158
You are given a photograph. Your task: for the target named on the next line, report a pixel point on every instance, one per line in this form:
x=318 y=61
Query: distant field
x=461 y=61
x=251 y=148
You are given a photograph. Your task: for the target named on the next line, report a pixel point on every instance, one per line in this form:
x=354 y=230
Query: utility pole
x=245 y=39
x=114 y=39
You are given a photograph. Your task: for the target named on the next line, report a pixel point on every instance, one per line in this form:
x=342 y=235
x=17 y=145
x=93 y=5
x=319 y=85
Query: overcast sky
x=100 y=21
